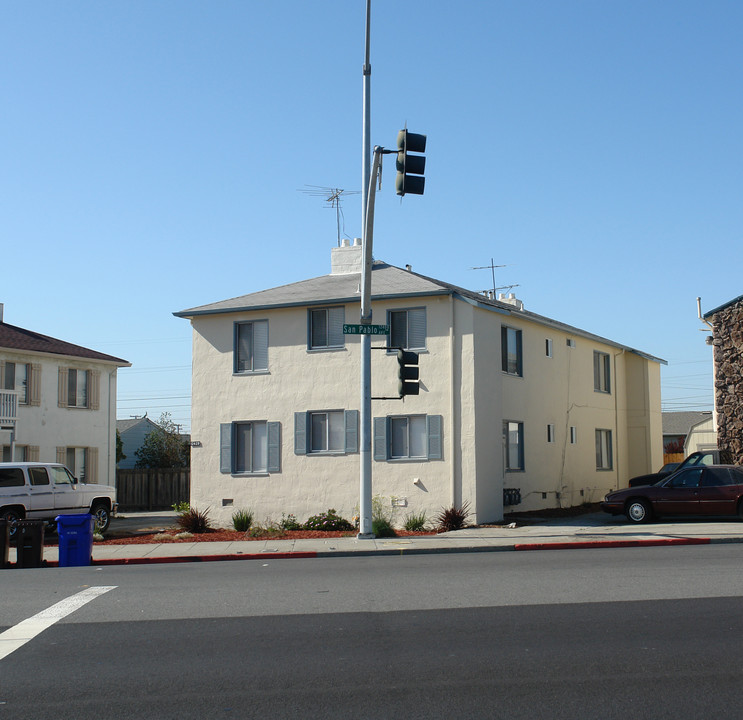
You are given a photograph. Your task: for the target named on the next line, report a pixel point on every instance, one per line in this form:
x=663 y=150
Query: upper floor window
x=601 y=372
x=251 y=346
x=408 y=437
x=326 y=327
x=407 y=328
x=511 y=359
x=548 y=347
x=250 y=447
x=16 y=378
x=79 y=389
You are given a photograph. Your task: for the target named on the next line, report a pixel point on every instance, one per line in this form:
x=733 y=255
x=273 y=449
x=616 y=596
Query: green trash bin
x=75 y=539
x=4 y=543
x=29 y=538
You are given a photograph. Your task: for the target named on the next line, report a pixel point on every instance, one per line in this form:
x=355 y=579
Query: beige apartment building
x=515 y=412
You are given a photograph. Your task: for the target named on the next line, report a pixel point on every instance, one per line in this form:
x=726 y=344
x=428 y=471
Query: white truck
x=41 y=491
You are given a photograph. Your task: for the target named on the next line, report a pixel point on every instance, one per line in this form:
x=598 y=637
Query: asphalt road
x=640 y=633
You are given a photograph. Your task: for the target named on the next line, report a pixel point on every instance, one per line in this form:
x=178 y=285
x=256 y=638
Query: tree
x=119 y=448
x=163 y=447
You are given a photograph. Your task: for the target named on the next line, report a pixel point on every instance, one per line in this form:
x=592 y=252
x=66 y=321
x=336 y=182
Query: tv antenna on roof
x=492 y=268
x=332 y=196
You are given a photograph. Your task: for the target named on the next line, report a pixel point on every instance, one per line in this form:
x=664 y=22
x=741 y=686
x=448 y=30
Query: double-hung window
x=601 y=372
x=325 y=328
x=407 y=328
x=511 y=358
x=513 y=446
x=408 y=437
x=16 y=378
x=334 y=432
x=77 y=462
x=603 y=450
x=251 y=347
x=77 y=388
x=250 y=447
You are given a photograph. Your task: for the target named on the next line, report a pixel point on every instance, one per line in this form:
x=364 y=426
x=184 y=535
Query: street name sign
x=366 y=329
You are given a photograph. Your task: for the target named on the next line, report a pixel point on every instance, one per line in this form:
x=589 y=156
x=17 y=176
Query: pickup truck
x=32 y=490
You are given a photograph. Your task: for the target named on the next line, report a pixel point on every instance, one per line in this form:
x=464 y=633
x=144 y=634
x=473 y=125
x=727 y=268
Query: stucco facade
x=63 y=403
x=525 y=419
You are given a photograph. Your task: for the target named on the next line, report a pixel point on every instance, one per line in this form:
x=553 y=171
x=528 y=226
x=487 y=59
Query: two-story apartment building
x=57 y=403
x=509 y=401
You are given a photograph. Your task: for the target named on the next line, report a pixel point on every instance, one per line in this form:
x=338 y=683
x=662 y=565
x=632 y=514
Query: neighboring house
x=676 y=428
x=702 y=436
x=57 y=403
x=132 y=433
x=509 y=401
x=727 y=338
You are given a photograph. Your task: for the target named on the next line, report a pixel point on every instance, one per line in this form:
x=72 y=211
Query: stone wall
x=728 y=348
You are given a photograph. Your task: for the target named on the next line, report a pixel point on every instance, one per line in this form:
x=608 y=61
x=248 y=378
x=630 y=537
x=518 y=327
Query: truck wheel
x=102 y=516
x=12 y=516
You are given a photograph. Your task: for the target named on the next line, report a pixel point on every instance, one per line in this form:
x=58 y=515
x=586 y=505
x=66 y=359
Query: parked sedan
x=700 y=490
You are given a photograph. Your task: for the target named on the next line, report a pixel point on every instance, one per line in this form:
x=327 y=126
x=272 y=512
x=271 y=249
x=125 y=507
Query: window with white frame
x=550 y=433
x=601 y=372
x=548 y=347
x=250 y=447
x=603 y=450
x=408 y=437
x=407 y=328
x=328 y=432
x=77 y=388
x=325 y=328
x=16 y=378
x=513 y=445
x=77 y=462
x=251 y=347
x=573 y=435
x=511 y=359
x=21 y=453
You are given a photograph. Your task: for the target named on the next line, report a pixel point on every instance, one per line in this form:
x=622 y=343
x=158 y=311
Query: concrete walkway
x=585 y=531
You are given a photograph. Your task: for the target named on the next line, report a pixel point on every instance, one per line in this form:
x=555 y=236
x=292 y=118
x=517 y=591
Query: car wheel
x=12 y=517
x=102 y=516
x=638 y=511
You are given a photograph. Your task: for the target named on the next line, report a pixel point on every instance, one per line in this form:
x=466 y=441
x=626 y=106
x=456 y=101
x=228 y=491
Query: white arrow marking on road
x=20 y=634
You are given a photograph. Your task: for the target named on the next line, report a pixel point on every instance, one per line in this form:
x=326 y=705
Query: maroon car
x=700 y=490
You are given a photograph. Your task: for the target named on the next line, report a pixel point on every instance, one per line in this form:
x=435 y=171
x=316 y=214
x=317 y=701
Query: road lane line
x=26 y=630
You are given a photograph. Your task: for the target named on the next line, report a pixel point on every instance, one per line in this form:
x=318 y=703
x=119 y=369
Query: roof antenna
x=492 y=267
x=334 y=197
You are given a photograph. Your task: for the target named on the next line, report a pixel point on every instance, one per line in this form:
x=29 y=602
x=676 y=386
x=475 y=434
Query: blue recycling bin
x=75 y=539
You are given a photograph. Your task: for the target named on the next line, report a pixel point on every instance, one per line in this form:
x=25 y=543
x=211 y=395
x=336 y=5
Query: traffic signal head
x=407 y=373
x=410 y=168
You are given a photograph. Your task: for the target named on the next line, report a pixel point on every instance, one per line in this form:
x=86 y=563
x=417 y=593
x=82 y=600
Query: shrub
x=269 y=530
x=242 y=520
x=382 y=528
x=415 y=522
x=453 y=518
x=194 y=521
x=289 y=522
x=329 y=520
x=180 y=507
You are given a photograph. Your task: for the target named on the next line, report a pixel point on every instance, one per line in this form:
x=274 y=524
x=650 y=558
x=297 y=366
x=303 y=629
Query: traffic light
x=407 y=372
x=410 y=168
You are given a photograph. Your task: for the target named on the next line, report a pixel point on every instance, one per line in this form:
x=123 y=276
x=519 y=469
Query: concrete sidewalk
x=585 y=531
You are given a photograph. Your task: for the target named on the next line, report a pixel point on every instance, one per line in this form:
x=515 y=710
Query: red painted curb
x=612 y=543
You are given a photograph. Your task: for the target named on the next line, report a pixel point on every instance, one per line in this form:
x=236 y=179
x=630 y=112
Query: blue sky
x=154 y=153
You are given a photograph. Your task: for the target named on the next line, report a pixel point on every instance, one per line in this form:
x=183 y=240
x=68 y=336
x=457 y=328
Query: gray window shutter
x=352 y=431
x=225 y=447
x=336 y=318
x=300 y=433
x=260 y=345
x=274 y=447
x=380 y=438
x=435 y=425
x=417 y=329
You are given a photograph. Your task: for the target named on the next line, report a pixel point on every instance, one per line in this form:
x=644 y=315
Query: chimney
x=511 y=299
x=347 y=258
x=2 y=307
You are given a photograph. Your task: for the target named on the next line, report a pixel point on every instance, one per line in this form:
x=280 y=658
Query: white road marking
x=20 y=634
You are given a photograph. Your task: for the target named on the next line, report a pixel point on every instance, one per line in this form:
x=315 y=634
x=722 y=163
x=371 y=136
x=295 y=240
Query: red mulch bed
x=232 y=536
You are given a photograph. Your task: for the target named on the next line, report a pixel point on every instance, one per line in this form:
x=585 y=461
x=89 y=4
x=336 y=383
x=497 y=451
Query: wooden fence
x=143 y=489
